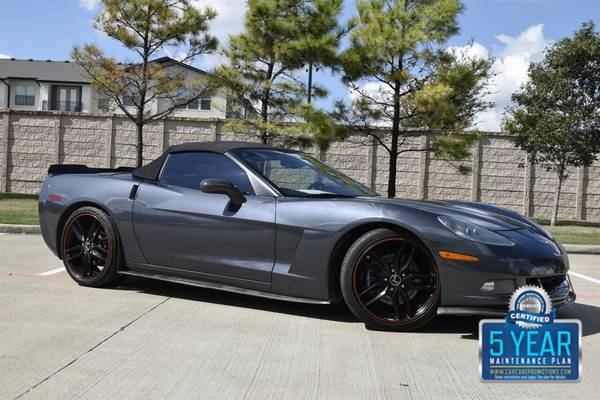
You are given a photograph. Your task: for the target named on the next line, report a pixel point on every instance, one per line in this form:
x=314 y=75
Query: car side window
x=190 y=168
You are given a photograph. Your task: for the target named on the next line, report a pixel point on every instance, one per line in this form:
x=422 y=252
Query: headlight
x=476 y=233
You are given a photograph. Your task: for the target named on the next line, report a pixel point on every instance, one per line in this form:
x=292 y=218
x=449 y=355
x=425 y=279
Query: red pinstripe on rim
x=418 y=246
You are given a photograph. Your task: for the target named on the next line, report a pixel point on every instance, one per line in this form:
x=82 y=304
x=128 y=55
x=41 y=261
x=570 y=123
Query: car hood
x=490 y=217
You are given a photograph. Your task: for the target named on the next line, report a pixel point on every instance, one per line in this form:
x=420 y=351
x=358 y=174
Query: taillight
x=54 y=198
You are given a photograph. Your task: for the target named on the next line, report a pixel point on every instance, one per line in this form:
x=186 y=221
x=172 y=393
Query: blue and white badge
x=530 y=307
x=530 y=344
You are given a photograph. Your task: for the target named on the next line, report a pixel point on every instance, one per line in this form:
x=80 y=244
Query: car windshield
x=299 y=175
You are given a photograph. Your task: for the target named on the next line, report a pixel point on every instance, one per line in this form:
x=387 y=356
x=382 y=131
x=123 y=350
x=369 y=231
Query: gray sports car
x=253 y=219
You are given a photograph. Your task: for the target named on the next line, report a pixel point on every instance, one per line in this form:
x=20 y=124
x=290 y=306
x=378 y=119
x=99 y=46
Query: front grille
x=549 y=283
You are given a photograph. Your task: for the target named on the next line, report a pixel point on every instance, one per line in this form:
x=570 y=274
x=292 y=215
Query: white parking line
x=573 y=273
x=53 y=271
x=582 y=276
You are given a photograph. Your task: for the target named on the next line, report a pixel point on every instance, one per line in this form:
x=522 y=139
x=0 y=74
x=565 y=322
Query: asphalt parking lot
x=152 y=340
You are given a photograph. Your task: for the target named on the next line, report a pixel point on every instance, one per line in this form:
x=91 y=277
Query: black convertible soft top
x=215 y=147
x=152 y=170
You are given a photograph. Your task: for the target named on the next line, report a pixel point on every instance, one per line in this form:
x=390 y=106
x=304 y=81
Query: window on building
x=202 y=103
x=193 y=105
x=25 y=95
x=131 y=98
x=104 y=104
x=205 y=104
x=65 y=98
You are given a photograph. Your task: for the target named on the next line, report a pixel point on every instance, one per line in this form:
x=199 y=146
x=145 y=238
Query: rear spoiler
x=57 y=169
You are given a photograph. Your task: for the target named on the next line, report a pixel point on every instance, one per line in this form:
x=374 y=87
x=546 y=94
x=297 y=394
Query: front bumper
x=561 y=294
x=500 y=270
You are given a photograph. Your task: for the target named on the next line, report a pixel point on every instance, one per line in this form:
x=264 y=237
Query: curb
x=35 y=230
x=581 y=249
x=20 y=229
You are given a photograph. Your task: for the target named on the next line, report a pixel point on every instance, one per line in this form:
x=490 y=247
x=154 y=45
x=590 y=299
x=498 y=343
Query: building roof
x=60 y=71
x=170 y=60
x=151 y=171
x=51 y=71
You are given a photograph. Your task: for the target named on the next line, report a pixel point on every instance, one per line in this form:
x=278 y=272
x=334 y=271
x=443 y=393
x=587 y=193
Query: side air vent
x=133 y=192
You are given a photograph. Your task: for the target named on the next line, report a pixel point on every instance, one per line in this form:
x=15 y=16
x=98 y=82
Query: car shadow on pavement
x=327 y=312
x=469 y=326
x=587 y=314
x=466 y=326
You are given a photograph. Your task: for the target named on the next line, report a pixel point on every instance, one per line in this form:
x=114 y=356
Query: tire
x=90 y=234
x=390 y=281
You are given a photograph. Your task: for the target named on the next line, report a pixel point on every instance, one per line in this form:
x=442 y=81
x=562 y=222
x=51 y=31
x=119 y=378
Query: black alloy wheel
x=390 y=281
x=90 y=249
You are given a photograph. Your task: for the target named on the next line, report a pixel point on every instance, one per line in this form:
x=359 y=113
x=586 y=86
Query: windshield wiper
x=327 y=195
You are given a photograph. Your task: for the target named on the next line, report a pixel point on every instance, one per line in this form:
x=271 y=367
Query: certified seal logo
x=530 y=307
x=530 y=344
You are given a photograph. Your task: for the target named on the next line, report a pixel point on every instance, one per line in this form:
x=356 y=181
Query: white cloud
x=229 y=21
x=89 y=5
x=2 y=55
x=377 y=91
x=381 y=92
x=176 y=55
x=510 y=69
x=474 y=51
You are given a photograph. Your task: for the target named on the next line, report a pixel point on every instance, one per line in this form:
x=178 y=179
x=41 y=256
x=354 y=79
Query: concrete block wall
x=124 y=141
x=502 y=173
x=590 y=189
x=543 y=193
x=82 y=141
x=349 y=158
x=408 y=168
x=32 y=140
x=444 y=181
x=30 y=149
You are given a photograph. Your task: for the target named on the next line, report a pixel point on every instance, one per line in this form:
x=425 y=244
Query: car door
x=180 y=227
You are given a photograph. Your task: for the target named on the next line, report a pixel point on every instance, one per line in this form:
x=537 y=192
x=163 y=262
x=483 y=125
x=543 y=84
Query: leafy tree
x=266 y=69
x=148 y=28
x=321 y=41
x=402 y=79
x=556 y=115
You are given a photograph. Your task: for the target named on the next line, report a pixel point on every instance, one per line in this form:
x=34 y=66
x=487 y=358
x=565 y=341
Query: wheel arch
x=344 y=243
x=67 y=213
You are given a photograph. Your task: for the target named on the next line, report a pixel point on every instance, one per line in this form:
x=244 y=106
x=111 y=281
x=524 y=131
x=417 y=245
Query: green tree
x=320 y=41
x=402 y=79
x=556 y=114
x=148 y=28
x=266 y=69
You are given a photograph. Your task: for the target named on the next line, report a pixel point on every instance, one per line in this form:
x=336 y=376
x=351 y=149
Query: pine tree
x=266 y=69
x=148 y=28
x=402 y=78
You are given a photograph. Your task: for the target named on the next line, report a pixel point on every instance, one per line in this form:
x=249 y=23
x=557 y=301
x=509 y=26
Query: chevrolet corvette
x=258 y=220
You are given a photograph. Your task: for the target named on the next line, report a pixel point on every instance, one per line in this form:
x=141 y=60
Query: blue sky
x=515 y=32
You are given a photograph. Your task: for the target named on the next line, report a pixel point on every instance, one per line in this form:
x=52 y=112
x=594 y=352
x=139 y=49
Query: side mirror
x=222 y=186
